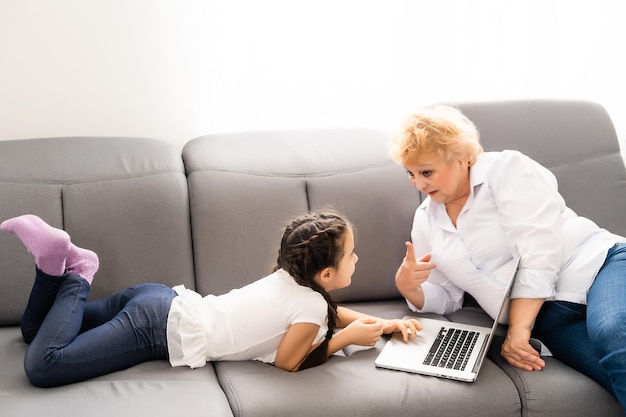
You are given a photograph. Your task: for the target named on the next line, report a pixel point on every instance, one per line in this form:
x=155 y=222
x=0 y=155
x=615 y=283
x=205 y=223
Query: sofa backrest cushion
x=244 y=187
x=124 y=198
x=576 y=140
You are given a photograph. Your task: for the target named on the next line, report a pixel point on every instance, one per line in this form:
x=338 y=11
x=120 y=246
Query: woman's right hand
x=411 y=274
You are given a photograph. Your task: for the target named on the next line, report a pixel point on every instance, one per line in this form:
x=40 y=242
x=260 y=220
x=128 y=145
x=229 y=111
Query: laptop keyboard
x=452 y=348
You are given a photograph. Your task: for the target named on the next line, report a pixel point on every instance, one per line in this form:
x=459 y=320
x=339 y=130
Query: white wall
x=179 y=69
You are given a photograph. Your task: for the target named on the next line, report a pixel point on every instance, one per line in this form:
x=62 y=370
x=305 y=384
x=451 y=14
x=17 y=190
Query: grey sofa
x=212 y=220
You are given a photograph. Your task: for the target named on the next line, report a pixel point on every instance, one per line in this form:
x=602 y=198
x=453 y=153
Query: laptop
x=443 y=348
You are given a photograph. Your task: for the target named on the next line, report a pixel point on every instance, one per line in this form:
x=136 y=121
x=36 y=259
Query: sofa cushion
x=576 y=140
x=150 y=389
x=125 y=198
x=350 y=385
x=244 y=187
x=557 y=390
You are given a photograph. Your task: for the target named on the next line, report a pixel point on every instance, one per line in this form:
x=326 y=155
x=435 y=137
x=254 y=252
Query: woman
x=484 y=208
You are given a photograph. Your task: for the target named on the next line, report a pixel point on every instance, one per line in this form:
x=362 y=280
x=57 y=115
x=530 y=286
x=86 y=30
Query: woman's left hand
x=517 y=350
x=408 y=328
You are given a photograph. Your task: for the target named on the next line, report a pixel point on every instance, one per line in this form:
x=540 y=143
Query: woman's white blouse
x=514 y=208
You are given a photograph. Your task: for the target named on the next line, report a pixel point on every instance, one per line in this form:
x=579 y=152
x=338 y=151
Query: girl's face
x=445 y=182
x=342 y=274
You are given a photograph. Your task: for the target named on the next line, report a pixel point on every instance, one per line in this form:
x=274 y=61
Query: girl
x=286 y=318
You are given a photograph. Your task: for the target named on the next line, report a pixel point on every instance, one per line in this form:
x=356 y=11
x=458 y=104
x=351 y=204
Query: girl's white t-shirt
x=244 y=324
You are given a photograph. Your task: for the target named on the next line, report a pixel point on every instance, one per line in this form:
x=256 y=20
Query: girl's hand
x=517 y=350
x=408 y=328
x=364 y=331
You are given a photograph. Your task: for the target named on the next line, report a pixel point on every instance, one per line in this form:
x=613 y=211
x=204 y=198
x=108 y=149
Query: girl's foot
x=82 y=262
x=49 y=245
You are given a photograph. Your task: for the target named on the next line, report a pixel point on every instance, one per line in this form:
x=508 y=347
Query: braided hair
x=311 y=243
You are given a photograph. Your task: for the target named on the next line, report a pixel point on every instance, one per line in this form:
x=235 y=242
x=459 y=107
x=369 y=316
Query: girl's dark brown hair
x=311 y=243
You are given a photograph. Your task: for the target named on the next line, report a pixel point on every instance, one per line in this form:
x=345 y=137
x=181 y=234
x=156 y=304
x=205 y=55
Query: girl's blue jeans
x=71 y=340
x=592 y=338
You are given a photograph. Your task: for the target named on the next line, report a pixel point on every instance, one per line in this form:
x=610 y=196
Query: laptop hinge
x=479 y=362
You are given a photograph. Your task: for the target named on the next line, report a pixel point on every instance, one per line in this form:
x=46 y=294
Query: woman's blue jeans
x=592 y=338
x=71 y=340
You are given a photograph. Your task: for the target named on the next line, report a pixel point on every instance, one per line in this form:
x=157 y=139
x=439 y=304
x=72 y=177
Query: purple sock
x=82 y=262
x=47 y=244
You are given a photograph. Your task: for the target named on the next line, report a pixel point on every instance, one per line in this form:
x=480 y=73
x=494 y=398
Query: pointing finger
x=410 y=252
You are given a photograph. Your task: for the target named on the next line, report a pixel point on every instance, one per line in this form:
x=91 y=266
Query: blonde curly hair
x=442 y=130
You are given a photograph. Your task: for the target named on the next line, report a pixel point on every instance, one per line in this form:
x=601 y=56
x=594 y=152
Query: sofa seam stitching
x=291 y=175
x=87 y=180
x=585 y=158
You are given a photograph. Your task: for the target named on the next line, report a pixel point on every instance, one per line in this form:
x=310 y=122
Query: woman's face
x=445 y=182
